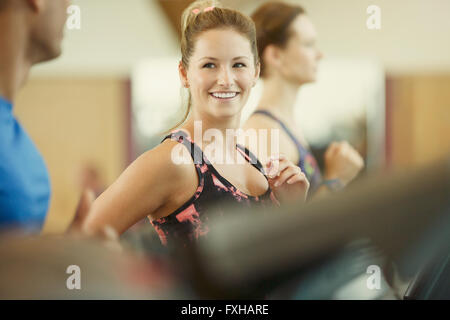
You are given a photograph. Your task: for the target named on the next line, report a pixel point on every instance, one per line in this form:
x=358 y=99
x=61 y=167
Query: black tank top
x=190 y=222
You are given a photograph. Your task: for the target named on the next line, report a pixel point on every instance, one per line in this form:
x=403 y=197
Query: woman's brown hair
x=273 y=21
x=204 y=15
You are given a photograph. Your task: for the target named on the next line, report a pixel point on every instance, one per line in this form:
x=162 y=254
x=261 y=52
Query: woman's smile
x=224 y=95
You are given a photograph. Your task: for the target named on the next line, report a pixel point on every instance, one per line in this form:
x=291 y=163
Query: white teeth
x=224 y=95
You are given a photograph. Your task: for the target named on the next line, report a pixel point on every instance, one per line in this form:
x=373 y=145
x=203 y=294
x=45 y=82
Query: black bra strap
x=251 y=158
x=182 y=137
x=197 y=154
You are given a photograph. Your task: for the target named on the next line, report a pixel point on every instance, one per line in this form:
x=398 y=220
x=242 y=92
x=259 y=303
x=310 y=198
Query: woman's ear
x=183 y=75
x=272 y=57
x=257 y=72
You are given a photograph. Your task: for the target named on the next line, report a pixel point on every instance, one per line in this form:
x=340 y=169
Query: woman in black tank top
x=189 y=221
x=219 y=67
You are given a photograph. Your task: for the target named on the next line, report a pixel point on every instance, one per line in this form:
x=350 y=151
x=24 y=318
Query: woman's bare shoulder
x=150 y=182
x=260 y=121
x=170 y=159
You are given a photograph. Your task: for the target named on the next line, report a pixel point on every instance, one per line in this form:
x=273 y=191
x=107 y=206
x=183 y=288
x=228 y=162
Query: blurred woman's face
x=221 y=73
x=300 y=57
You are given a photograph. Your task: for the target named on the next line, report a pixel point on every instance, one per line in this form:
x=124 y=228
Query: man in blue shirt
x=31 y=31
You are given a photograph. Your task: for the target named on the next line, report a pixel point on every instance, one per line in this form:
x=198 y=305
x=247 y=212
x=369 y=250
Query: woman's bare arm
x=151 y=182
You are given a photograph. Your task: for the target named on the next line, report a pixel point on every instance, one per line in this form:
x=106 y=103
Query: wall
x=115 y=34
x=75 y=122
x=419 y=108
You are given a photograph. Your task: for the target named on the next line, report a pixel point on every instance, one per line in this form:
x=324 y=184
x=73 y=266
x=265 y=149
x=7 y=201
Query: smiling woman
x=219 y=77
x=219 y=67
x=194 y=21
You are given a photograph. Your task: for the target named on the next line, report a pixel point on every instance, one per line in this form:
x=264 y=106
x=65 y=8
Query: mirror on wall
x=346 y=103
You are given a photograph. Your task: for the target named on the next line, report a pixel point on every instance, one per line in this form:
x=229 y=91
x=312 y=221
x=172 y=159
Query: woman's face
x=221 y=73
x=300 y=57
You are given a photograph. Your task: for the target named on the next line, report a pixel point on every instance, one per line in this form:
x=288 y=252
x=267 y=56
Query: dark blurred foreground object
x=320 y=251
x=323 y=250
x=36 y=268
x=433 y=280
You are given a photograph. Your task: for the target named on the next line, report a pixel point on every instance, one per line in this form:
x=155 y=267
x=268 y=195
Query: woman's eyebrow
x=207 y=58
x=215 y=59
x=241 y=57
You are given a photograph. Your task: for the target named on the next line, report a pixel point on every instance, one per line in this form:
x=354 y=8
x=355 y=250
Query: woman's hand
x=82 y=211
x=342 y=162
x=287 y=181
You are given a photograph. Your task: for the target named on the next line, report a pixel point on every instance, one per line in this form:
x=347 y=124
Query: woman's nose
x=225 y=77
x=319 y=54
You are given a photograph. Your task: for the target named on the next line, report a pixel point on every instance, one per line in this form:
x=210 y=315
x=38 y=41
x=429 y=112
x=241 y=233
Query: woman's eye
x=239 y=65
x=209 y=65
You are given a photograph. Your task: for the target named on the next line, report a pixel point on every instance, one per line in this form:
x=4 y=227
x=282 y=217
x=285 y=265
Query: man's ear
x=36 y=5
x=183 y=75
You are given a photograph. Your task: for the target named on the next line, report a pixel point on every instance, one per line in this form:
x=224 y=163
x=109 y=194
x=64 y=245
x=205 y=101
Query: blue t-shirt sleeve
x=24 y=179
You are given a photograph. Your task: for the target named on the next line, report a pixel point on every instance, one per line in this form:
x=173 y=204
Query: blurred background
x=115 y=89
